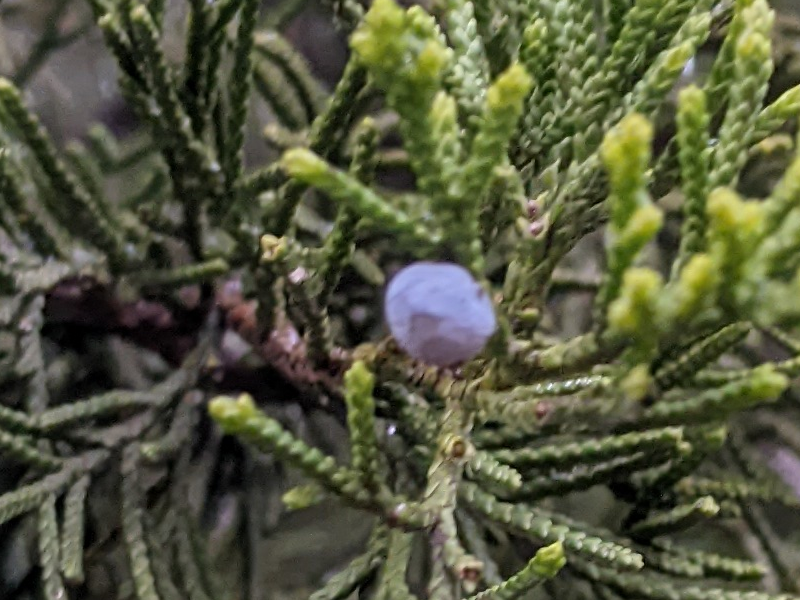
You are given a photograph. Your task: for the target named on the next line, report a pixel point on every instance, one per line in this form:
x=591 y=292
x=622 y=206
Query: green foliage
x=645 y=374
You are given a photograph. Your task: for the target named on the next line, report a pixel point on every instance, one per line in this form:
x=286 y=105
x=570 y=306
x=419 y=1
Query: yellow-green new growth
x=305 y=166
x=303 y=496
x=693 y=291
x=762 y=384
x=673 y=521
x=732 y=217
x=548 y=561
x=634 y=219
x=359 y=383
x=766 y=383
x=694 y=157
x=785 y=196
x=634 y=309
x=545 y=564
x=489 y=150
x=634 y=314
x=453 y=173
x=400 y=44
x=406 y=57
x=643 y=225
x=735 y=229
x=380 y=39
x=240 y=416
x=500 y=116
x=431 y=62
x=446 y=130
x=509 y=89
x=230 y=413
x=626 y=156
x=752 y=67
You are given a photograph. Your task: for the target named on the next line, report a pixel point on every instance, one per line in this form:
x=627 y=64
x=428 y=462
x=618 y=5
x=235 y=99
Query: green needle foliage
x=173 y=317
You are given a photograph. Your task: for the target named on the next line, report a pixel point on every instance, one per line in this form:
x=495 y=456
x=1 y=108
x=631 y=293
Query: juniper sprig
x=558 y=209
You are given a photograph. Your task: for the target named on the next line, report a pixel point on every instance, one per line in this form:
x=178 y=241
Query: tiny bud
x=536 y=228
x=272 y=247
x=542 y=410
x=298 y=276
x=456 y=447
x=303 y=164
x=470 y=569
x=528 y=316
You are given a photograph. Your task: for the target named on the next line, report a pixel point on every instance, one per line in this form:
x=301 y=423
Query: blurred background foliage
x=55 y=52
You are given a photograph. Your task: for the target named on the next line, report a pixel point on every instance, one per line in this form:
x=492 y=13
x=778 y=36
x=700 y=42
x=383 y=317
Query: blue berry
x=438 y=313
